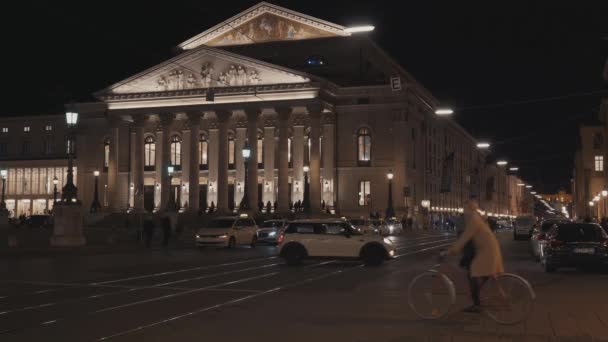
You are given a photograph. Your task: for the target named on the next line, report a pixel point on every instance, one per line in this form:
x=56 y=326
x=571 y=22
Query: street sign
x=396 y=83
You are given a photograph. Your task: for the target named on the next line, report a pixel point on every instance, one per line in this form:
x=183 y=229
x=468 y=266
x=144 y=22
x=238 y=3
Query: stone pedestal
x=67 y=230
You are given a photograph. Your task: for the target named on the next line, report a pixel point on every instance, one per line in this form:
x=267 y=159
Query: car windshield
x=221 y=223
x=358 y=222
x=271 y=224
x=524 y=221
x=579 y=233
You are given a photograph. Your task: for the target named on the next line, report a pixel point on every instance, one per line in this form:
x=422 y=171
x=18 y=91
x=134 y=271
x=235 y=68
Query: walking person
x=148 y=231
x=166 y=225
x=487 y=259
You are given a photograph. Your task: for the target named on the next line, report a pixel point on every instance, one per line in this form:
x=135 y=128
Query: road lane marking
x=242 y=299
x=426 y=243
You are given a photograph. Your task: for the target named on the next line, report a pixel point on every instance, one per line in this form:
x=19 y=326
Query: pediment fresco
x=268 y=27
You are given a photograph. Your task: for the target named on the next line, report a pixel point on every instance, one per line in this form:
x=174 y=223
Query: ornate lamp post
x=390 y=211
x=171 y=205
x=69 y=193
x=55 y=182
x=306 y=202
x=3 y=174
x=96 y=206
x=244 y=205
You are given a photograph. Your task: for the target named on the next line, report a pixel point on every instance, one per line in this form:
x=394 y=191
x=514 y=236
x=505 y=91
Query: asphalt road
x=249 y=294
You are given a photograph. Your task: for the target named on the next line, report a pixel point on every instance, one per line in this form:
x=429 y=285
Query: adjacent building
x=299 y=91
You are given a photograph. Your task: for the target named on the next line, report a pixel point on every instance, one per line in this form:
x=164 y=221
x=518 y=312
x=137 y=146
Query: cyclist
x=487 y=261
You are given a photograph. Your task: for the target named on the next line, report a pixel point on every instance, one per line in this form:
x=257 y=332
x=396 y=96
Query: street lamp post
x=171 y=205
x=55 y=182
x=70 y=192
x=3 y=174
x=306 y=203
x=390 y=211
x=244 y=205
x=96 y=206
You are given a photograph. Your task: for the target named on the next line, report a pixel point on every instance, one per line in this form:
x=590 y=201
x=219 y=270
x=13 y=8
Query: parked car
x=575 y=245
x=394 y=226
x=38 y=221
x=363 y=225
x=523 y=227
x=538 y=236
x=307 y=239
x=505 y=224
x=228 y=231
x=270 y=230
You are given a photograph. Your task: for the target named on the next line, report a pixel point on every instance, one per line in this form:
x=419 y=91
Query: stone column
x=166 y=120
x=297 y=158
x=114 y=203
x=252 y=168
x=268 y=165
x=213 y=162
x=328 y=163
x=314 y=112
x=194 y=158
x=400 y=148
x=222 y=165
x=284 y=114
x=138 y=163
x=239 y=164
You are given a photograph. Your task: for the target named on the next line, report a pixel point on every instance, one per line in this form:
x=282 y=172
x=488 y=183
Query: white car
x=363 y=225
x=523 y=227
x=306 y=239
x=270 y=230
x=228 y=231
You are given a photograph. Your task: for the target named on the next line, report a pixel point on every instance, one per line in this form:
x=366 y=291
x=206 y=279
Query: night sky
x=487 y=61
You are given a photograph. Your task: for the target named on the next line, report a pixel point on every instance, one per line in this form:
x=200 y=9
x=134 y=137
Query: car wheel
x=294 y=255
x=373 y=255
x=232 y=242
x=254 y=241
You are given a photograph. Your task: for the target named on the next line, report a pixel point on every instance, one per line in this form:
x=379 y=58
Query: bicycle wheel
x=507 y=299
x=431 y=295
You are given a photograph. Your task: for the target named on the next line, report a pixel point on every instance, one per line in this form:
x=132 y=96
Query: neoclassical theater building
x=300 y=91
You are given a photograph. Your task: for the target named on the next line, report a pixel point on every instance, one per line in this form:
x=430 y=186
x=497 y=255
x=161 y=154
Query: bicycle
x=506 y=298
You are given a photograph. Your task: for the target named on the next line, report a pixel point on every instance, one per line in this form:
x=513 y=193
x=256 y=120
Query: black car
x=575 y=245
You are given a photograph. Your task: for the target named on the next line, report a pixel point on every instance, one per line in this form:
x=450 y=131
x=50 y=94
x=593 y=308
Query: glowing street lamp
x=482 y=145
x=244 y=205
x=444 y=111
x=390 y=211
x=70 y=192
x=528 y=186
x=171 y=205
x=502 y=162
x=514 y=168
x=521 y=184
x=306 y=202
x=591 y=203
x=96 y=206
x=357 y=29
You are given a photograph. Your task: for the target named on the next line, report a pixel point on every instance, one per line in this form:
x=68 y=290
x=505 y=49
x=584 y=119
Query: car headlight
x=198 y=236
x=272 y=234
x=391 y=252
x=223 y=236
x=391 y=228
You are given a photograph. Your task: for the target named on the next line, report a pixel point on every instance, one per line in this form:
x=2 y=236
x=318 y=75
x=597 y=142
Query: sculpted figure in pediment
x=206 y=74
x=254 y=79
x=191 y=81
x=241 y=76
x=231 y=75
x=223 y=79
x=161 y=83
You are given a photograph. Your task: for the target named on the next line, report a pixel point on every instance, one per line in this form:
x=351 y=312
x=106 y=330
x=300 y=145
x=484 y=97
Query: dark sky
x=484 y=59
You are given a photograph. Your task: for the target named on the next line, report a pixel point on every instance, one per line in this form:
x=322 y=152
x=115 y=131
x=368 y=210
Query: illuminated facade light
x=483 y=145
x=357 y=29
x=444 y=111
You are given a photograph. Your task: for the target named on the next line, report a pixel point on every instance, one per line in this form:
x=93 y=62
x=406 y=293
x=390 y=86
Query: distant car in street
x=270 y=230
x=575 y=245
x=38 y=221
x=504 y=224
x=539 y=235
x=306 y=239
x=364 y=225
x=228 y=231
x=394 y=226
x=523 y=227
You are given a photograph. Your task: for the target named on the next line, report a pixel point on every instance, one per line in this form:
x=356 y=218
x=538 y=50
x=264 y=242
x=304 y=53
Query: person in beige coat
x=487 y=261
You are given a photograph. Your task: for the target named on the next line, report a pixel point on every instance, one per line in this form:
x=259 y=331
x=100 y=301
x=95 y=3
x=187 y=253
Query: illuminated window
x=106 y=153
x=599 y=163
x=48 y=128
x=203 y=150
x=176 y=150
x=4 y=129
x=365 y=194
x=26 y=128
x=149 y=153
x=364 y=146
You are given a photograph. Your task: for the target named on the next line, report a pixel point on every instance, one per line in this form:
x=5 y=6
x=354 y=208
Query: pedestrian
x=166 y=225
x=148 y=231
x=487 y=261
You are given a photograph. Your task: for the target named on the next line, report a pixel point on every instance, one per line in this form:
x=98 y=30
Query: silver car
x=538 y=237
x=270 y=230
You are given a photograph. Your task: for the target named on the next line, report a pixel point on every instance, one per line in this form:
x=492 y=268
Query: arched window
x=203 y=150
x=176 y=151
x=149 y=153
x=260 y=150
x=231 y=150
x=106 y=153
x=364 y=146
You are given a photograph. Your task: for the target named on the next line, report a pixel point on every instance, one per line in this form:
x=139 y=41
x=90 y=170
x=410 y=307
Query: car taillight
x=605 y=243
x=541 y=237
x=281 y=238
x=556 y=243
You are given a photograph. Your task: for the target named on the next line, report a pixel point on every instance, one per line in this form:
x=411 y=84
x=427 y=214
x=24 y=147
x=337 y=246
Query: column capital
x=194 y=117
x=223 y=115
x=252 y=113
x=314 y=109
x=284 y=112
x=139 y=120
x=166 y=119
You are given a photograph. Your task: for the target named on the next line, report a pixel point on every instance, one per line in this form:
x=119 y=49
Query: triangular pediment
x=262 y=23
x=206 y=67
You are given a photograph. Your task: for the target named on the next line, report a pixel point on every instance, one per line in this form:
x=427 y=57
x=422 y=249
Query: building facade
x=299 y=91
